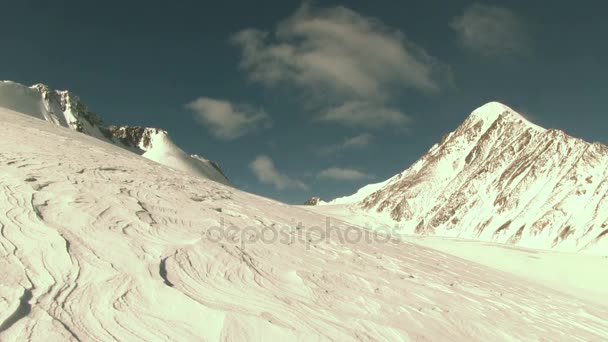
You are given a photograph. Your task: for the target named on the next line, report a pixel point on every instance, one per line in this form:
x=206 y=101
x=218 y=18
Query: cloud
x=335 y=55
x=490 y=30
x=264 y=169
x=227 y=121
x=365 y=114
x=336 y=49
x=342 y=174
x=358 y=141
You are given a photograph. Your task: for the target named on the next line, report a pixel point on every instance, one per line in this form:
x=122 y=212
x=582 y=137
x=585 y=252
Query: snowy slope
x=354 y=198
x=99 y=244
x=500 y=178
x=64 y=109
x=155 y=144
x=59 y=107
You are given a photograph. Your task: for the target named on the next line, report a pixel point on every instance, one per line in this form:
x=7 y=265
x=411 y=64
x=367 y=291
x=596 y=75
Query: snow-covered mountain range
x=63 y=108
x=497 y=177
x=99 y=244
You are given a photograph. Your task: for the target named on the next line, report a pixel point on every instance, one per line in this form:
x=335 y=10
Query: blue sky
x=296 y=99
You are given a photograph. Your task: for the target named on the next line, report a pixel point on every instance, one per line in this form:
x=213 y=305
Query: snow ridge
x=63 y=108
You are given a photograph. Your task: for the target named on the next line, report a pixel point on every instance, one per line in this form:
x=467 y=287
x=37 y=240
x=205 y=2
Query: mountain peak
x=484 y=116
x=41 y=86
x=493 y=110
x=500 y=178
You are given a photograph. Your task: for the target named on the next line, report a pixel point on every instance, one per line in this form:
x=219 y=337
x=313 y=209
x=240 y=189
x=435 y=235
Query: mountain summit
x=499 y=177
x=63 y=108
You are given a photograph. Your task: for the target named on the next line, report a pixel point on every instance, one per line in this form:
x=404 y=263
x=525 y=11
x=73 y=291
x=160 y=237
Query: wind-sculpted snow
x=99 y=244
x=500 y=178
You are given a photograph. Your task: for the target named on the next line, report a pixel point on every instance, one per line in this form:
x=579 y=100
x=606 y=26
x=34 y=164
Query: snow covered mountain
x=155 y=144
x=498 y=177
x=98 y=244
x=64 y=109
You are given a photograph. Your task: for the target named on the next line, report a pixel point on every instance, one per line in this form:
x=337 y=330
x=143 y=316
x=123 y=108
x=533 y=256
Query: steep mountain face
x=499 y=177
x=64 y=109
x=139 y=138
x=59 y=107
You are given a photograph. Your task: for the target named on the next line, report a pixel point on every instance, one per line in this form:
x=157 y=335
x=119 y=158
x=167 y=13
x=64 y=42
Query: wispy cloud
x=490 y=30
x=365 y=114
x=227 y=121
x=356 y=142
x=264 y=169
x=339 y=57
x=343 y=174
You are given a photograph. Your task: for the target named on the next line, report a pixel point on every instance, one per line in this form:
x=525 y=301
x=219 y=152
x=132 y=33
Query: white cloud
x=227 y=121
x=335 y=55
x=264 y=169
x=365 y=114
x=342 y=174
x=490 y=30
x=356 y=142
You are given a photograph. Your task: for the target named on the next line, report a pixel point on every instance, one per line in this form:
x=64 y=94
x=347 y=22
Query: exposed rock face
x=499 y=177
x=135 y=137
x=70 y=103
x=313 y=201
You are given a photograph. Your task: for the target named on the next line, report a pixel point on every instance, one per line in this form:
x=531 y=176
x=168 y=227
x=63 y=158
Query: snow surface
x=579 y=274
x=359 y=195
x=99 y=244
x=163 y=150
x=64 y=109
x=17 y=97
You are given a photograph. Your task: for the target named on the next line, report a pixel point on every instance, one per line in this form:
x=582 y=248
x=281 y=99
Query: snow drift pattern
x=97 y=244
